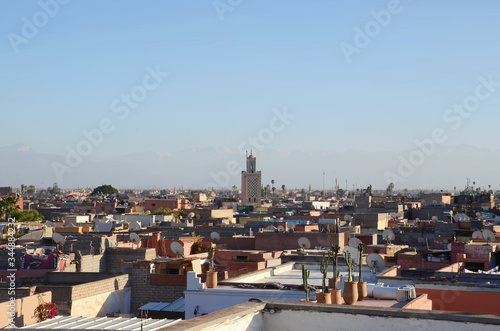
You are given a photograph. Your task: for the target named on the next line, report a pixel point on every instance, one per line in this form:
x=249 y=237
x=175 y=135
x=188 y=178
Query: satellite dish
x=398 y=215
x=177 y=248
x=449 y=246
x=281 y=228
x=304 y=243
x=477 y=235
x=441 y=203
x=421 y=240
x=489 y=236
x=49 y=224
x=58 y=239
x=215 y=236
x=347 y=218
x=354 y=242
x=388 y=235
x=423 y=202
x=134 y=226
x=478 y=214
x=434 y=218
x=191 y=215
x=434 y=202
x=291 y=225
x=354 y=254
x=134 y=238
x=375 y=262
x=417 y=219
x=148 y=212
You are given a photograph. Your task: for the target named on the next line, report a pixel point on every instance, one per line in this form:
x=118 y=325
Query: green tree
x=26 y=216
x=283 y=187
x=8 y=206
x=104 y=190
x=54 y=190
x=390 y=188
x=31 y=190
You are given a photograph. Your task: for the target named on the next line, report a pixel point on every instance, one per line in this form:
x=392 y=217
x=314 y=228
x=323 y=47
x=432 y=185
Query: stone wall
x=117 y=255
x=144 y=292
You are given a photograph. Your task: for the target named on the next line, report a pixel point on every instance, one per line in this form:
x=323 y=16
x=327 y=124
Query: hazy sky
x=353 y=76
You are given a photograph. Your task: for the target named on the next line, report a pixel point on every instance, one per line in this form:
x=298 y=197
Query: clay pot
x=350 y=292
x=211 y=279
x=324 y=298
x=330 y=282
x=362 y=292
x=310 y=301
x=336 y=296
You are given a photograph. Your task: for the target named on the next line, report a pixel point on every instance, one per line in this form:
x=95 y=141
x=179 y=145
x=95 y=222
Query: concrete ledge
x=387 y=312
x=219 y=317
x=268 y=272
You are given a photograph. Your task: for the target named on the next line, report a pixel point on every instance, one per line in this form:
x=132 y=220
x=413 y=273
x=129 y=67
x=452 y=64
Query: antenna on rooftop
x=477 y=235
x=354 y=254
x=177 y=248
x=135 y=239
x=388 y=235
x=354 y=242
x=215 y=236
x=489 y=236
x=134 y=226
x=375 y=262
x=58 y=239
x=304 y=243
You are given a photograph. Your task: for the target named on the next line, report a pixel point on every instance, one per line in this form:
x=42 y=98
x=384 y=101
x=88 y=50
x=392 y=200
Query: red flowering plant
x=45 y=310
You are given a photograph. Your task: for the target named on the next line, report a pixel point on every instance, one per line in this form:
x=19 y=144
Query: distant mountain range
x=219 y=166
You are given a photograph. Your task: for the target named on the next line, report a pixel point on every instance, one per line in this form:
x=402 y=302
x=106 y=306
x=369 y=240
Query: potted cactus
x=332 y=282
x=305 y=284
x=362 y=292
x=350 y=286
x=324 y=296
x=211 y=273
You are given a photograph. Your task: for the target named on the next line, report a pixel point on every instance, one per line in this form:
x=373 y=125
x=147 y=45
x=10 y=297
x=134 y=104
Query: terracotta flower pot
x=336 y=296
x=211 y=279
x=330 y=282
x=362 y=292
x=310 y=301
x=324 y=298
x=350 y=292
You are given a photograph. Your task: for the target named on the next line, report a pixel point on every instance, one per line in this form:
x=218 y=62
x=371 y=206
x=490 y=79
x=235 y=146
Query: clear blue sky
x=226 y=76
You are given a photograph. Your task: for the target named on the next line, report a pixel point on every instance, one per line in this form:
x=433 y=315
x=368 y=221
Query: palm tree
x=8 y=206
x=283 y=187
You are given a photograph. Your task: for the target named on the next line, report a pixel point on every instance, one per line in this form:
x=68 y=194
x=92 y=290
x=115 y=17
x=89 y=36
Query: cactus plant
x=324 y=269
x=211 y=256
x=335 y=253
x=348 y=261
x=305 y=276
x=360 y=263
